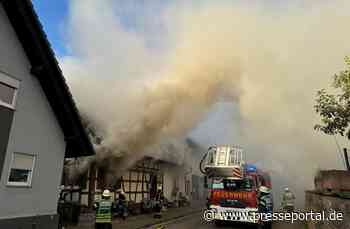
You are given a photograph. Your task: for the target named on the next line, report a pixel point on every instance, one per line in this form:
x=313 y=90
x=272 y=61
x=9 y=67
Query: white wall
x=176 y=175
x=34 y=130
x=169 y=183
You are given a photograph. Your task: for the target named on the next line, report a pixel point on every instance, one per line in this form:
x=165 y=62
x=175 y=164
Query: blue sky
x=52 y=15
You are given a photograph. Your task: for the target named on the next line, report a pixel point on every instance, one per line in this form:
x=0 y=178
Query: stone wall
x=319 y=202
x=332 y=181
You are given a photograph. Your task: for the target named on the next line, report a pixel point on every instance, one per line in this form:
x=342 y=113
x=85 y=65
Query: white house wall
x=34 y=130
x=169 y=184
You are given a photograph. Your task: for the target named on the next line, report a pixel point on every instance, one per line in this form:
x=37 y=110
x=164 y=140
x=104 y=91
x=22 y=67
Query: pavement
x=175 y=218
x=195 y=220
x=143 y=220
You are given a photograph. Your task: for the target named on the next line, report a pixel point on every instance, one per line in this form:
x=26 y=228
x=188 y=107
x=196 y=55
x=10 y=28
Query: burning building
x=178 y=180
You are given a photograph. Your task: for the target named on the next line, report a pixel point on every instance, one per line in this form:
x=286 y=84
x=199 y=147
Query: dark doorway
x=153 y=184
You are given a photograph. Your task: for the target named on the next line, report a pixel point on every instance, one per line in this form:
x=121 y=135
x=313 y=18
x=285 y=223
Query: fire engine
x=233 y=185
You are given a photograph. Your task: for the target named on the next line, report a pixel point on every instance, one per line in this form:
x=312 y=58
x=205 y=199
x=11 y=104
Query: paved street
x=195 y=221
x=143 y=220
x=182 y=218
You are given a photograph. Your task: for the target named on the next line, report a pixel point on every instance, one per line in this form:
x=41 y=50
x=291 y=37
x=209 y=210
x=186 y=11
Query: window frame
x=27 y=184
x=221 y=158
x=211 y=160
x=13 y=83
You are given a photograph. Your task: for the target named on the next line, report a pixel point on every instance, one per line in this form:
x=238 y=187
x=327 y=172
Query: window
x=222 y=158
x=8 y=91
x=211 y=156
x=21 y=169
x=233 y=157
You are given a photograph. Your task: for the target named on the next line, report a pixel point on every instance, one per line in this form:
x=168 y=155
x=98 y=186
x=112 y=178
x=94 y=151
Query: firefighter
x=121 y=205
x=265 y=199
x=265 y=204
x=288 y=200
x=159 y=203
x=103 y=209
x=121 y=194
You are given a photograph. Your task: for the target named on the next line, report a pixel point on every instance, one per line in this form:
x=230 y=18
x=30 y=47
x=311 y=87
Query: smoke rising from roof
x=147 y=112
x=145 y=83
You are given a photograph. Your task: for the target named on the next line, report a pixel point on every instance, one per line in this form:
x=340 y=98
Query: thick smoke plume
x=156 y=110
x=147 y=73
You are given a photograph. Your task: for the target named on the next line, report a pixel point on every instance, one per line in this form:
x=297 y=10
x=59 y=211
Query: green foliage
x=334 y=109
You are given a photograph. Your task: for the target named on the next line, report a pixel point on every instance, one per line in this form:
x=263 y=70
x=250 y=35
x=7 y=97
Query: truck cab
x=233 y=185
x=235 y=196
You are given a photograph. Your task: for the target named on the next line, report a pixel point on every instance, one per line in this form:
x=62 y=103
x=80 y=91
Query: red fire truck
x=233 y=185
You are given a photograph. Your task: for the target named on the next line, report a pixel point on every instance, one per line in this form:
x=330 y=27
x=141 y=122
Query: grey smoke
x=266 y=59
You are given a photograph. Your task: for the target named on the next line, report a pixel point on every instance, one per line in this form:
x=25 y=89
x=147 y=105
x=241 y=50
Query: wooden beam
x=142 y=186
x=137 y=184
x=92 y=185
x=129 y=185
x=138 y=192
x=133 y=181
x=122 y=183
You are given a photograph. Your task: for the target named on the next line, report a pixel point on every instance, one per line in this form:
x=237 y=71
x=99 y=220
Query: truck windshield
x=234 y=185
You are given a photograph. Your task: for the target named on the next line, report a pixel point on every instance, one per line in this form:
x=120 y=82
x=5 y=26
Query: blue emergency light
x=250 y=168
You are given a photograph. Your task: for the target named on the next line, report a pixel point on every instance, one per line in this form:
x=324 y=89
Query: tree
x=334 y=108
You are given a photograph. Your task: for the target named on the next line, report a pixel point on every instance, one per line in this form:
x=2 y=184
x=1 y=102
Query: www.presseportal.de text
x=292 y=217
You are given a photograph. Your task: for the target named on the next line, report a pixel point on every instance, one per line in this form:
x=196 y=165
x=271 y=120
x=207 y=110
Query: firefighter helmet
x=106 y=193
x=264 y=189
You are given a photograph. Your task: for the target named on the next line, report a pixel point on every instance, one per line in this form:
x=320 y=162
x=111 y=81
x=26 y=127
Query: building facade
x=141 y=181
x=39 y=124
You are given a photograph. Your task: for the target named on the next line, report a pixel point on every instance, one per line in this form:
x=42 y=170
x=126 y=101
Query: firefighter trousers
x=103 y=225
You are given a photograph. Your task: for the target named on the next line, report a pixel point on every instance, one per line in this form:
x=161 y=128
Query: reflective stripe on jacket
x=104 y=212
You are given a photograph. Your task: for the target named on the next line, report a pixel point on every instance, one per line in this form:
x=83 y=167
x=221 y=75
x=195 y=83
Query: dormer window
x=8 y=91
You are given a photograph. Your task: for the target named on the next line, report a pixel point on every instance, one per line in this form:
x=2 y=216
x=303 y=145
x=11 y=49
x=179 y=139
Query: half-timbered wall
x=141 y=181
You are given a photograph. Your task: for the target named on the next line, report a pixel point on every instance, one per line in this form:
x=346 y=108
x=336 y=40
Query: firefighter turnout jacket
x=104 y=211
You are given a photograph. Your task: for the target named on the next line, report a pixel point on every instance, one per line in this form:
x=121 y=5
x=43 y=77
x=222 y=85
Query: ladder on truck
x=223 y=161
